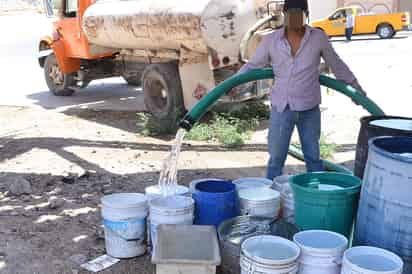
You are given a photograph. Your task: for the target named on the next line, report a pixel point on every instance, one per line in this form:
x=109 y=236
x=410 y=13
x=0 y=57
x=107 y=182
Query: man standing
x=294 y=53
x=349 y=24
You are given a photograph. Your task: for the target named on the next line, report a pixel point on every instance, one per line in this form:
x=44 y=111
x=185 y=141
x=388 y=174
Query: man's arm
x=260 y=59
x=332 y=59
x=338 y=66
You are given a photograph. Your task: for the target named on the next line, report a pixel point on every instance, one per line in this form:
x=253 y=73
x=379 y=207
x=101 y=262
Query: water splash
x=168 y=174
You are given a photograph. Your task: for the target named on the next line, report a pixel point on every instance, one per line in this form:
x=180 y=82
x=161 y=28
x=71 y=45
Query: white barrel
x=170 y=210
x=385 y=206
x=269 y=255
x=321 y=251
x=287 y=203
x=263 y=201
x=154 y=192
x=371 y=260
x=252 y=182
x=124 y=219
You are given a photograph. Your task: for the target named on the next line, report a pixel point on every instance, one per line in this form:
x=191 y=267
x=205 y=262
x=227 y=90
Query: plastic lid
x=376 y=260
x=172 y=202
x=124 y=200
x=252 y=182
x=155 y=189
x=179 y=244
x=401 y=124
x=321 y=241
x=259 y=194
x=270 y=250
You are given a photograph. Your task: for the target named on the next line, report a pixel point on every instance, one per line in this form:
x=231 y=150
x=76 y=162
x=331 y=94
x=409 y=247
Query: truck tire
x=58 y=83
x=163 y=94
x=385 y=31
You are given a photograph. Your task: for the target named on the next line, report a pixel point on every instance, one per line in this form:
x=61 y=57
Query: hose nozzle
x=187 y=122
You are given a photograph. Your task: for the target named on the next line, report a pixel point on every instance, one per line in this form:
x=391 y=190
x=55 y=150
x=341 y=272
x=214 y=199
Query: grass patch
x=152 y=126
x=327 y=149
x=224 y=129
x=231 y=129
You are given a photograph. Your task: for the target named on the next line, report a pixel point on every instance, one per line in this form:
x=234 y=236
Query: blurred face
x=295 y=19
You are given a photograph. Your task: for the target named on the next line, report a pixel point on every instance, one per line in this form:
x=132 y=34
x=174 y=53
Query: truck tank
x=198 y=26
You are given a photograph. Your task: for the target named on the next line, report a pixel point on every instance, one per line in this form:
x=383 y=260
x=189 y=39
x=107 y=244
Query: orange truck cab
x=384 y=25
x=69 y=49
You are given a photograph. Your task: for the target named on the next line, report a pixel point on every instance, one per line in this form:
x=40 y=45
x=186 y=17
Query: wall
x=321 y=8
x=405 y=5
x=376 y=6
x=9 y=5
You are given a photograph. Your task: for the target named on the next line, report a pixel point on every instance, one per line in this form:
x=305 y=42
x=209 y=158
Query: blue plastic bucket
x=215 y=202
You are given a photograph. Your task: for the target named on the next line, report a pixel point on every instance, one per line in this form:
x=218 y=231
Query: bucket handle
x=113 y=227
x=251 y=269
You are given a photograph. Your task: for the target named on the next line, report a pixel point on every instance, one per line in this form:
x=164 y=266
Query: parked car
x=384 y=25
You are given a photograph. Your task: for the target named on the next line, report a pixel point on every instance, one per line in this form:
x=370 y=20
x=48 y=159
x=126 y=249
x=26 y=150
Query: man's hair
x=296 y=4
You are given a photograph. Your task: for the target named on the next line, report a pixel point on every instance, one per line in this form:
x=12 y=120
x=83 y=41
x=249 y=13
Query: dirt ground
x=55 y=167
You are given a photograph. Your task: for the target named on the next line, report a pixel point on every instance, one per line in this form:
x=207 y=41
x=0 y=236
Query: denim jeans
x=348 y=33
x=280 y=132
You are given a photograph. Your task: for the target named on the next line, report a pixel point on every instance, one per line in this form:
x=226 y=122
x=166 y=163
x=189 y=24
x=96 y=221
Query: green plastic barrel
x=326 y=200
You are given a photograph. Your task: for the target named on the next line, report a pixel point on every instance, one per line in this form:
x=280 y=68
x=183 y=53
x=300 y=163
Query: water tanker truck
x=176 y=50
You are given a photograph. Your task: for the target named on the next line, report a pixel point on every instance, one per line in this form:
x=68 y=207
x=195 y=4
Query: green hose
x=222 y=89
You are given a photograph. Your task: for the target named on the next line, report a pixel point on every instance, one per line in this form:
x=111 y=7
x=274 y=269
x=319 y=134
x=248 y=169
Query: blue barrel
x=215 y=202
x=385 y=208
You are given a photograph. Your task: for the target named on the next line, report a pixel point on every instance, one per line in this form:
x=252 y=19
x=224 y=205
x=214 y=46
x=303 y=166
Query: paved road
x=23 y=82
x=382 y=66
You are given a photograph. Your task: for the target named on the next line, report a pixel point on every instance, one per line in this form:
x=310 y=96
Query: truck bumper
x=42 y=56
x=407 y=28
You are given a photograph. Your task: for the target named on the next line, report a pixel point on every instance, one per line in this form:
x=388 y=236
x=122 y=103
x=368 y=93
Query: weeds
x=327 y=149
x=231 y=129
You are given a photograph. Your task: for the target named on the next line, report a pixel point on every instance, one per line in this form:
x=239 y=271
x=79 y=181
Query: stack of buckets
x=257 y=198
x=314 y=252
x=325 y=205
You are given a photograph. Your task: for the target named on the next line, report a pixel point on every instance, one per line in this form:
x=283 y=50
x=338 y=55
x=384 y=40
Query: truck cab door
x=69 y=29
x=337 y=23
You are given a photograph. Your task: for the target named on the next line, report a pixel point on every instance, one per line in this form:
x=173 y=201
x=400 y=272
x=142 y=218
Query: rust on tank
x=92 y=25
x=183 y=26
x=126 y=23
x=229 y=15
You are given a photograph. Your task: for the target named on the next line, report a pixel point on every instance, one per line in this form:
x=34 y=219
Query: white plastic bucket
x=371 y=260
x=287 y=203
x=170 y=210
x=269 y=255
x=154 y=192
x=252 y=182
x=124 y=219
x=321 y=251
x=261 y=201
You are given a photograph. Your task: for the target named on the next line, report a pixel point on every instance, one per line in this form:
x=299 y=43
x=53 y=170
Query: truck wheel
x=385 y=31
x=58 y=83
x=163 y=94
